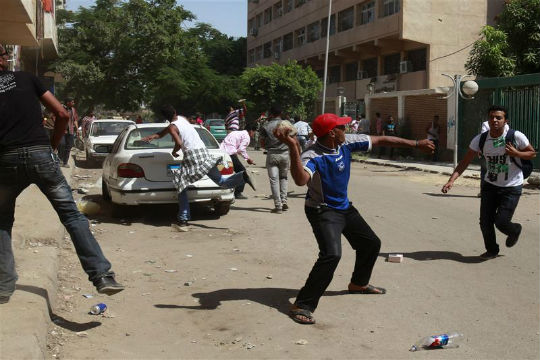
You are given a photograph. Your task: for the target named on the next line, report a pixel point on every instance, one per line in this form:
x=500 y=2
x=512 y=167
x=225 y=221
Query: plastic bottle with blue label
x=442 y=341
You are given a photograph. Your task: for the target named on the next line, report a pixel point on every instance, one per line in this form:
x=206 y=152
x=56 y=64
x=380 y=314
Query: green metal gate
x=519 y=94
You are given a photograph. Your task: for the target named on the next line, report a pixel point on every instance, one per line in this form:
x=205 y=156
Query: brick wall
x=384 y=106
x=419 y=111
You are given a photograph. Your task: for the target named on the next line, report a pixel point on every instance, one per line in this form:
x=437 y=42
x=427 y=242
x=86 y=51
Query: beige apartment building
x=380 y=51
x=28 y=28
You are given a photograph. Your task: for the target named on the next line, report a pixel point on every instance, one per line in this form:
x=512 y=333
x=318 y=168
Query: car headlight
x=101 y=148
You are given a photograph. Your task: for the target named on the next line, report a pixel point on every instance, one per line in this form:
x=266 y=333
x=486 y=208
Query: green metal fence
x=519 y=94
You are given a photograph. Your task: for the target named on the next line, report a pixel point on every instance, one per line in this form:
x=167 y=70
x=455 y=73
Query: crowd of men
x=317 y=156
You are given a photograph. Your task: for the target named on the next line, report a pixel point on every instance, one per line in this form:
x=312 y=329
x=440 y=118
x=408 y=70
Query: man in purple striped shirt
x=236 y=142
x=232 y=120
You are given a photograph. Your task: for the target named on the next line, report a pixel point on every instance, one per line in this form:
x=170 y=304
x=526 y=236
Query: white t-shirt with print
x=190 y=138
x=501 y=171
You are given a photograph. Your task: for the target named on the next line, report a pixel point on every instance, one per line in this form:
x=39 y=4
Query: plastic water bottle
x=442 y=341
x=98 y=309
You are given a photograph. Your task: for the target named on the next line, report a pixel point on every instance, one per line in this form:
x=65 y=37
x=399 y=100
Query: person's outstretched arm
x=460 y=168
x=424 y=145
x=157 y=135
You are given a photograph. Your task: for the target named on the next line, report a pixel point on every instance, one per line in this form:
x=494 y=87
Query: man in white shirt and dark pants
x=502 y=182
x=236 y=142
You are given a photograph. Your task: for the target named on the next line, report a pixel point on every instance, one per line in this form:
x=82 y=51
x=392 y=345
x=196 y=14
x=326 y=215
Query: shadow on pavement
x=437 y=255
x=450 y=195
x=277 y=298
x=256 y=209
x=155 y=215
x=58 y=320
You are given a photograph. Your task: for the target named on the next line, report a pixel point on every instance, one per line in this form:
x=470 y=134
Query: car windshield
x=216 y=122
x=134 y=141
x=108 y=128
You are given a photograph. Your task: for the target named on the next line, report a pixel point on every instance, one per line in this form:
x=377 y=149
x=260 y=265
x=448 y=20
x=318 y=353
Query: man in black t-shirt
x=27 y=156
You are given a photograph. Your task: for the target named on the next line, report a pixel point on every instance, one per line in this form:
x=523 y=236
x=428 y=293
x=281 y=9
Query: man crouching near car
x=197 y=162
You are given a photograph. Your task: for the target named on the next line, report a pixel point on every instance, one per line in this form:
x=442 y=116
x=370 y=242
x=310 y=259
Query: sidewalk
x=473 y=171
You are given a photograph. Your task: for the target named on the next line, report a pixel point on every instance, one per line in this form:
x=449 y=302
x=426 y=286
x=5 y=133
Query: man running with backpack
x=507 y=153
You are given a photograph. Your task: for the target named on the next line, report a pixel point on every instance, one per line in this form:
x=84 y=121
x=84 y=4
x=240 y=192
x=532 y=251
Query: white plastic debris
x=397 y=258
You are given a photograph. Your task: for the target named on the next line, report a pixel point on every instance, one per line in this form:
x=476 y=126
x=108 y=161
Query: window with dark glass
x=288 y=41
x=346 y=19
x=268 y=15
x=324 y=25
x=299 y=3
x=334 y=74
x=391 y=64
x=390 y=7
x=300 y=36
x=278 y=9
x=366 y=13
x=350 y=71
x=417 y=59
x=258 y=20
x=267 y=50
x=313 y=31
x=288 y=6
x=251 y=56
x=369 y=67
x=258 y=53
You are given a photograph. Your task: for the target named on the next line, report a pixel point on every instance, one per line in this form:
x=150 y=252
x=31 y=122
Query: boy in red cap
x=325 y=169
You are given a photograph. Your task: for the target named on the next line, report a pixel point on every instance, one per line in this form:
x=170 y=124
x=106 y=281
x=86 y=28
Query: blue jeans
x=214 y=174
x=65 y=147
x=38 y=165
x=497 y=207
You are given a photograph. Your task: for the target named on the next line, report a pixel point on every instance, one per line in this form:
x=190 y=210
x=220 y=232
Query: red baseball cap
x=326 y=122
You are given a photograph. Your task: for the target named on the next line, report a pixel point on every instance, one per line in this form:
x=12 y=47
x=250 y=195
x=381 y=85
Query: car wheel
x=120 y=211
x=105 y=192
x=222 y=208
x=89 y=160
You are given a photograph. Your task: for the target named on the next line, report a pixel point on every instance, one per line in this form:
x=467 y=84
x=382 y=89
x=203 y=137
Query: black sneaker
x=249 y=180
x=488 y=255
x=513 y=239
x=107 y=285
x=4 y=299
x=285 y=207
x=240 y=197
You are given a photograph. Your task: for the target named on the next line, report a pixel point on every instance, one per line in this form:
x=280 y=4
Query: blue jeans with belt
x=39 y=165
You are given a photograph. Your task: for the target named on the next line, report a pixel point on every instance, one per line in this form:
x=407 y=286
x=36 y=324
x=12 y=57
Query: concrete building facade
x=378 y=49
x=28 y=29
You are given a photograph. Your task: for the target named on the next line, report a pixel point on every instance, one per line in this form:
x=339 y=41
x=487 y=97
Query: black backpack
x=526 y=166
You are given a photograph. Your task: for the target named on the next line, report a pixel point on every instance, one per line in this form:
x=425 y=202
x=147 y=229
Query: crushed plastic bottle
x=442 y=341
x=88 y=207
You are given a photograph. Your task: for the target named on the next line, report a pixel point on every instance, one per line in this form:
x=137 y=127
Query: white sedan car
x=137 y=172
x=101 y=135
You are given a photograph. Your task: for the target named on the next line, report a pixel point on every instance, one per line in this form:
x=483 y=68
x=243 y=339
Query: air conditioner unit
x=405 y=67
x=362 y=75
x=253 y=31
x=277 y=55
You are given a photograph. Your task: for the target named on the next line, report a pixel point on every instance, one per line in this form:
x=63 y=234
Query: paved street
x=222 y=289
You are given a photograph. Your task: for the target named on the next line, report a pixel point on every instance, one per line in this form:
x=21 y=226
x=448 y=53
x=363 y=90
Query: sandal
x=369 y=290
x=295 y=313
